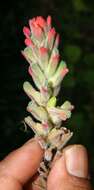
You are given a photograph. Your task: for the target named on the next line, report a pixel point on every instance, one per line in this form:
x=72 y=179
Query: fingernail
x=33 y=141
x=76 y=160
x=33 y=144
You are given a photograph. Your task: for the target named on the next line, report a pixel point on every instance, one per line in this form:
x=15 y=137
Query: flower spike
x=47 y=71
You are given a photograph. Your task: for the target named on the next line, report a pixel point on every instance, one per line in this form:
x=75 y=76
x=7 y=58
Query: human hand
x=69 y=172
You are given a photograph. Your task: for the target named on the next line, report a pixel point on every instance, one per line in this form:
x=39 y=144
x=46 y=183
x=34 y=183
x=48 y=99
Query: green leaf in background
x=89 y=60
x=69 y=81
x=72 y=53
x=77 y=121
x=79 y=5
x=89 y=78
x=80 y=126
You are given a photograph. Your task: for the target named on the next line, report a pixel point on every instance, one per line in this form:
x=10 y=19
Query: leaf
x=73 y=53
x=89 y=60
x=79 y=5
x=89 y=78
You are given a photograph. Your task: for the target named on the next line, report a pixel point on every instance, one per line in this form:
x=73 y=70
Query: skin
x=19 y=167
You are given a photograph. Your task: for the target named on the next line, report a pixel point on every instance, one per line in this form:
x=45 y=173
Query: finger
x=70 y=171
x=23 y=163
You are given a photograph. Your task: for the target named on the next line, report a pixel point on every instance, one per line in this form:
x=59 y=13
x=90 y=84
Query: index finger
x=23 y=163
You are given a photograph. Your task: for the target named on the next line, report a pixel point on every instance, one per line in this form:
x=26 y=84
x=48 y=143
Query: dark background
x=74 y=20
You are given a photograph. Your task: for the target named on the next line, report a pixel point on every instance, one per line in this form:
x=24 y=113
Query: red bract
x=36 y=30
x=30 y=71
x=64 y=71
x=26 y=31
x=43 y=50
x=51 y=34
x=55 y=59
x=57 y=41
x=41 y=22
x=37 y=25
x=49 y=20
x=28 y=42
x=45 y=125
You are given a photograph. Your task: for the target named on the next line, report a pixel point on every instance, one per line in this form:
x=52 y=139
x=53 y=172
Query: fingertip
x=33 y=145
x=23 y=163
x=70 y=170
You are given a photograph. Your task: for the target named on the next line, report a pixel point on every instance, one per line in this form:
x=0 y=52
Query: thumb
x=70 y=172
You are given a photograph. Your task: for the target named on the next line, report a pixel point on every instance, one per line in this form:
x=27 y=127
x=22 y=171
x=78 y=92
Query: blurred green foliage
x=74 y=20
x=80 y=5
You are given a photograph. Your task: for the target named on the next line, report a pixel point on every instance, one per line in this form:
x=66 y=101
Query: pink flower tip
x=28 y=42
x=29 y=109
x=44 y=90
x=45 y=125
x=51 y=34
x=49 y=20
x=52 y=31
x=56 y=57
x=40 y=21
x=31 y=21
x=57 y=39
x=30 y=71
x=63 y=116
x=26 y=31
x=64 y=71
x=43 y=50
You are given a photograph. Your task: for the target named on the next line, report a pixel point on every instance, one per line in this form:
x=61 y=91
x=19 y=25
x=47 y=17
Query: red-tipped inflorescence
x=47 y=71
